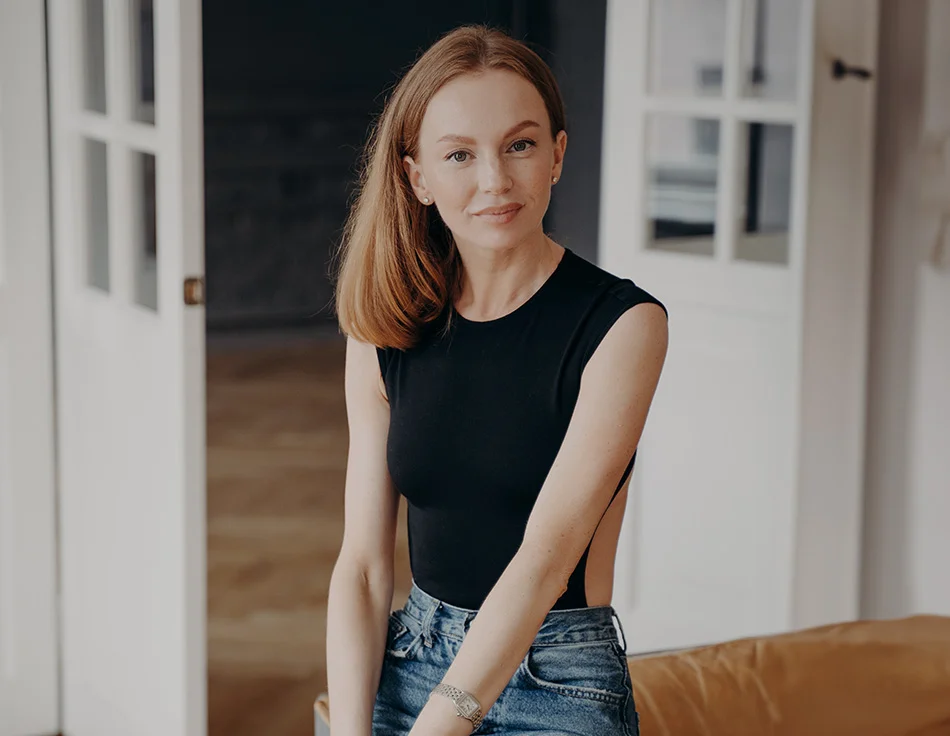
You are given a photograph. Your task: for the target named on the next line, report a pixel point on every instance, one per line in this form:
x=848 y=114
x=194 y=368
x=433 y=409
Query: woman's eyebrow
x=463 y=139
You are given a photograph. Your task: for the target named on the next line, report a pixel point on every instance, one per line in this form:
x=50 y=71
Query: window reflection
x=683 y=163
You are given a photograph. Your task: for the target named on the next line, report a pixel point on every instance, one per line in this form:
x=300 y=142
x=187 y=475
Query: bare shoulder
x=640 y=334
x=363 y=379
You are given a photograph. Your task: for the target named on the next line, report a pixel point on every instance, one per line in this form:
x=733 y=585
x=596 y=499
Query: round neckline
x=521 y=308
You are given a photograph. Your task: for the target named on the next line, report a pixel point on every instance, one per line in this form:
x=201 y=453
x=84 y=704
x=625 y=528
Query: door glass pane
x=145 y=243
x=142 y=35
x=770 y=48
x=767 y=203
x=97 y=214
x=94 y=48
x=688 y=44
x=682 y=169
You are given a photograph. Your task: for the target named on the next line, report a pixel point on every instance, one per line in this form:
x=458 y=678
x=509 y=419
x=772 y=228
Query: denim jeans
x=573 y=680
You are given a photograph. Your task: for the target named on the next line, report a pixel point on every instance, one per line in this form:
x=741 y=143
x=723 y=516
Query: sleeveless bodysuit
x=477 y=417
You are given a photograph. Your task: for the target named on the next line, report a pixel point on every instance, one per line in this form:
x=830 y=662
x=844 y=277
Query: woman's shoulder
x=595 y=284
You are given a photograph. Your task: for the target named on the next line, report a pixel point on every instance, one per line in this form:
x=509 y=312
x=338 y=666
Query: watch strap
x=455 y=694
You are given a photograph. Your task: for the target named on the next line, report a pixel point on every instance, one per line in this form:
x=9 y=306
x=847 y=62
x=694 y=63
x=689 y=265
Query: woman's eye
x=453 y=156
x=527 y=143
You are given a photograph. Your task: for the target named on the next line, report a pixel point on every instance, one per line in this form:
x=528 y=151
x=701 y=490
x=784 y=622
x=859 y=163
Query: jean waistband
x=562 y=626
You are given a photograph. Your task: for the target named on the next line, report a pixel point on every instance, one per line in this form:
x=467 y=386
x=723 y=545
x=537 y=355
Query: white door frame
x=29 y=631
x=835 y=315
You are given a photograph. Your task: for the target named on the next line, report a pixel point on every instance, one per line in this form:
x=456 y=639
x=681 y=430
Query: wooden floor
x=277 y=443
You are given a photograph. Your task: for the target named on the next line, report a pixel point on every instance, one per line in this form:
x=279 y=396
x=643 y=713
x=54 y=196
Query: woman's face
x=486 y=158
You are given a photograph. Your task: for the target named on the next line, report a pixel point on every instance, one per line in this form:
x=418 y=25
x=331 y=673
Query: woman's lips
x=503 y=217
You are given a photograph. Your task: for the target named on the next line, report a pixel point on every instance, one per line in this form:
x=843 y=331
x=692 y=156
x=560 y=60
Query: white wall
x=907 y=514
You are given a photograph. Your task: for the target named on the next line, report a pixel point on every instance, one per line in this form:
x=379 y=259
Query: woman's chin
x=497 y=239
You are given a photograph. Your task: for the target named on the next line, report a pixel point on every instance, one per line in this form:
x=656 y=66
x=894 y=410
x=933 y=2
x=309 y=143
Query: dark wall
x=578 y=40
x=290 y=90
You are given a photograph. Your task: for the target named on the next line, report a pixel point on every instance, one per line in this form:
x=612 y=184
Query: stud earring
x=425 y=200
x=554 y=180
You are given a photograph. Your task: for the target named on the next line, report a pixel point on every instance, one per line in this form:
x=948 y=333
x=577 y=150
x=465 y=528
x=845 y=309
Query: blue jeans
x=573 y=680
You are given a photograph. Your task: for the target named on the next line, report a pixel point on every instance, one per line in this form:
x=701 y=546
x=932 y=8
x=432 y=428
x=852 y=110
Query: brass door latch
x=194 y=290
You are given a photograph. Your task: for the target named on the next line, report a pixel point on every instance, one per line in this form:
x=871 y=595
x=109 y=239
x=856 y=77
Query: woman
x=501 y=383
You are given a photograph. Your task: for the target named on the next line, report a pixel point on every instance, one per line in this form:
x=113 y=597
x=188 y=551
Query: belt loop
x=427 y=623
x=623 y=636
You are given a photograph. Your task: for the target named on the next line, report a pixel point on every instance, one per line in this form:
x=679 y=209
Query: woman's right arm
x=361 y=586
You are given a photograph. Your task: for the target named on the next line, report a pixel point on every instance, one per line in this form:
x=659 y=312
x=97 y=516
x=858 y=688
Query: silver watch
x=466 y=705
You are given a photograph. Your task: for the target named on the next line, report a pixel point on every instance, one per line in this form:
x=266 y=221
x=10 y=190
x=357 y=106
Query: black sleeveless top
x=477 y=417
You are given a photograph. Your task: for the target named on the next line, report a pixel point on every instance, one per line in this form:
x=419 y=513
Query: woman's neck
x=497 y=282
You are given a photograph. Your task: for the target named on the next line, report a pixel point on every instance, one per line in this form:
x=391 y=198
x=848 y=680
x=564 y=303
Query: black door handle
x=840 y=70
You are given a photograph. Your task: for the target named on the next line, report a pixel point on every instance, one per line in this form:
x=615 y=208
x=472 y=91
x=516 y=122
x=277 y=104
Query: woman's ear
x=416 y=179
x=560 y=146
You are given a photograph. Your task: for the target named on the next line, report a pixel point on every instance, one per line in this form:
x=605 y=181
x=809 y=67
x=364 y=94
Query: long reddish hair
x=398 y=267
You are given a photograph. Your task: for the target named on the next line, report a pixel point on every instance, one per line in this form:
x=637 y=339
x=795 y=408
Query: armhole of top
x=382 y=357
x=618 y=299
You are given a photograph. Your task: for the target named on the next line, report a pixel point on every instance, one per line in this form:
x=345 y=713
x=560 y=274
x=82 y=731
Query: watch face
x=467 y=705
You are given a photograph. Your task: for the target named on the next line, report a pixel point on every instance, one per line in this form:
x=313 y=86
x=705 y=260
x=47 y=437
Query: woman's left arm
x=616 y=390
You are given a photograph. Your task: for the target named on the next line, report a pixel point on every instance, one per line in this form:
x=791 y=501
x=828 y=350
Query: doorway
x=290 y=91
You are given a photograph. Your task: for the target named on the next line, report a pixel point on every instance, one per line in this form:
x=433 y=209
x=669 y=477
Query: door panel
x=691 y=549
x=28 y=622
x=128 y=232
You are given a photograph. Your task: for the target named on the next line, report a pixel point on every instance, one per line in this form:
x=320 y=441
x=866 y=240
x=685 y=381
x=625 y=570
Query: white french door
x=29 y=702
x=128 y=255
x=737 y=188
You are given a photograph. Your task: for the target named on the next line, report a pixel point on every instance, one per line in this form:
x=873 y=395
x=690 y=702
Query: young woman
x=500 y=382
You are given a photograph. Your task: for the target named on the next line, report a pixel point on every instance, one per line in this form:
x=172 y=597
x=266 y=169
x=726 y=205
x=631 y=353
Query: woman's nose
x=494 y=176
